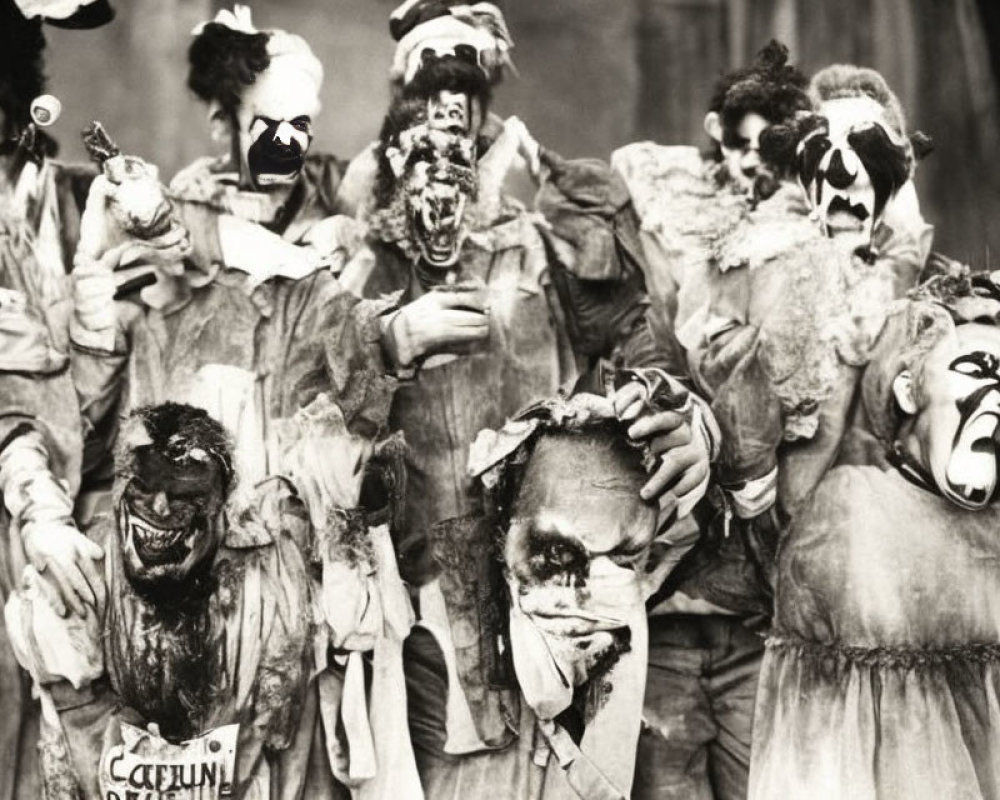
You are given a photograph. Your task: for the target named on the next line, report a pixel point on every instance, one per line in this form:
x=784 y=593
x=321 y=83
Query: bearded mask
x=173 y=476
x=436 y=178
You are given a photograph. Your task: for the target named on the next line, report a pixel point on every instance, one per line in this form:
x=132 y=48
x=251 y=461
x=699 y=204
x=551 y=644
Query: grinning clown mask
x=173 y=476
x=953 y=398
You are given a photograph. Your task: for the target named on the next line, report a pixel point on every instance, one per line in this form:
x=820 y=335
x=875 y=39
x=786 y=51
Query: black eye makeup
x=979 y=365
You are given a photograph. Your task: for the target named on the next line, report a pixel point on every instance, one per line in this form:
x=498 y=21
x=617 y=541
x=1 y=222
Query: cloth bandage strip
x=756 y=496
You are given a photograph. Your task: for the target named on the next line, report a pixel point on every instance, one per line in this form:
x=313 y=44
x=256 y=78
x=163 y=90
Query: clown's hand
x=165 y=251
x=69 y=566
x=676 y=439
x=445 y=320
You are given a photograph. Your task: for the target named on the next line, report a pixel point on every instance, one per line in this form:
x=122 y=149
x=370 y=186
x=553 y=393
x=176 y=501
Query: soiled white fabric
x=881 y=678
x=559 y=636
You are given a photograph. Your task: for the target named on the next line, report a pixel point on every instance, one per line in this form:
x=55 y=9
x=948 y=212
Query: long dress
x=882 y=672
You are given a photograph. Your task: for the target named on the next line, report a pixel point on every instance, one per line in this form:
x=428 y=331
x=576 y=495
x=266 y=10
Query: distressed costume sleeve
x=598 y=264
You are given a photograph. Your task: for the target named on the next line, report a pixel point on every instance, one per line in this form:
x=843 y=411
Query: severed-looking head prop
x=933 y=387
x=563 y=481
x=428 y=179
x=173 y=475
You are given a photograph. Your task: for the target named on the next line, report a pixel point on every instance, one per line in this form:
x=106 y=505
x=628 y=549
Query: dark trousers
x=698 y=712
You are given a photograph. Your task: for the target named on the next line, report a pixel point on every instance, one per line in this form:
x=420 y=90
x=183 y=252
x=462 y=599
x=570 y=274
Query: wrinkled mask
x=437 y=174
x=173 y=488
x=958 y=414
x=849 y=174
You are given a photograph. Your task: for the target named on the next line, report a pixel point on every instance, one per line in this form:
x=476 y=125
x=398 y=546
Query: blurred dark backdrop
x=594 y=74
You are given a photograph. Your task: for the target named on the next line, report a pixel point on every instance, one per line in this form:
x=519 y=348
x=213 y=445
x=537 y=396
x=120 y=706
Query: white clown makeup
x=275 y=124
x=851 y=167
x=954 y=398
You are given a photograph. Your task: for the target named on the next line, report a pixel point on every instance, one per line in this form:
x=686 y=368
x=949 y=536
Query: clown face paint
x=850 y=168
x=958 y=419
x=741 y=150
x=275 y=126
x=170 y=518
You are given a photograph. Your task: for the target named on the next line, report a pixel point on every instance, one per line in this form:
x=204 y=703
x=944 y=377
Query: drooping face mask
x=437 y=172
x=275 y=124
x=578 y=538
x=958 y=415
x=851 y=167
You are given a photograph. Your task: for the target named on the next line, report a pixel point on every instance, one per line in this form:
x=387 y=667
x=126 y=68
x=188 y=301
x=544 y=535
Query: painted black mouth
x=841 y=204
x=267 y=157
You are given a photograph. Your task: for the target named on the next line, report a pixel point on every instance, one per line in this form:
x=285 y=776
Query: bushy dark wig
x=457 y=73
x=770 y=87
x=222 y=62
x=22 y=76
x=779 y=144
x=176 y=429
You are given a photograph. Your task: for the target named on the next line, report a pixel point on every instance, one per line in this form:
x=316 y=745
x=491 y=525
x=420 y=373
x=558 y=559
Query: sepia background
x=594 y=74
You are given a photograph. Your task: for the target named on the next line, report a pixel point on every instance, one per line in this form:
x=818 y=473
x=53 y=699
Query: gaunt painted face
x=957 y=403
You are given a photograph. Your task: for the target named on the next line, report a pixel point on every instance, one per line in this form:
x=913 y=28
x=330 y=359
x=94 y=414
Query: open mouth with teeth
x=156 y=546
x=438 y=233
x=972 y=468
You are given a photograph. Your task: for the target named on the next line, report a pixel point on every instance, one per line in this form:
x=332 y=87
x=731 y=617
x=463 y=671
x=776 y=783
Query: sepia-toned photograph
x=512 y=400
